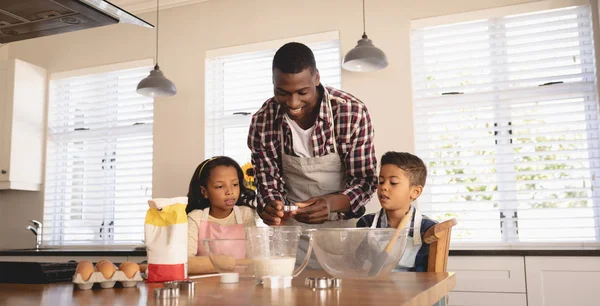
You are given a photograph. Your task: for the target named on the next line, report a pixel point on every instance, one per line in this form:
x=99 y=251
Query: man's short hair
x=294 y=58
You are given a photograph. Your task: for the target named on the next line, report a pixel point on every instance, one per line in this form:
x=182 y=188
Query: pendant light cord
x=157 y=23
x=364 y=23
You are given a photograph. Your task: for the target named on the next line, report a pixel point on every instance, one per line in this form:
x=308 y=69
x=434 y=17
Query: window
x=236 y=87
x=506 y=119
x=99 y=158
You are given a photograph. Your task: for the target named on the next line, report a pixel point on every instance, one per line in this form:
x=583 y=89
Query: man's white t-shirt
x=301 y=138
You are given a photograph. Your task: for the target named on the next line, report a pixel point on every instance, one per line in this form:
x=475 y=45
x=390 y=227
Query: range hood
x=25 y=19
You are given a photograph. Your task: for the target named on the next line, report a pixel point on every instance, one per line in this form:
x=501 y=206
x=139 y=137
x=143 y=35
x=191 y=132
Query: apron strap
x=416 y=221
x=282 y=141
x=332 y=121
x=417 y=218
x=205 y=213
x=376 y=219
x=238 y=215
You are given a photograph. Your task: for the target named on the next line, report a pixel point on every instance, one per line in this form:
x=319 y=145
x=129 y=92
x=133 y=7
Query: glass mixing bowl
x=358 y=252
x=230 y=256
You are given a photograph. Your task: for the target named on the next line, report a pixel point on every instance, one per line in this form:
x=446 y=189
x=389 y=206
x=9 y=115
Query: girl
x=219 y=206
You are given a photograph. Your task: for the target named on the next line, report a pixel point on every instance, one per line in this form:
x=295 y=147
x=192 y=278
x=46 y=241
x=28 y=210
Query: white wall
x=188 y=31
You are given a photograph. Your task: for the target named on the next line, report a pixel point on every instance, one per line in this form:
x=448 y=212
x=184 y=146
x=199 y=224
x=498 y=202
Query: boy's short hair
x=413 y=166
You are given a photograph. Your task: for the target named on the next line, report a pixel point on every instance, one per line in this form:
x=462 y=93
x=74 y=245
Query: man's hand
x=316 y=209
x=272 y=212
x=313 y=211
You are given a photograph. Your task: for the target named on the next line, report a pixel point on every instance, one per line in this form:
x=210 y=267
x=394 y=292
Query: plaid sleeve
x=261 y=142
x=360 y=159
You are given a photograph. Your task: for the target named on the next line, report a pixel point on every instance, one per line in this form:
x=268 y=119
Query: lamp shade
x=156 y=85
x=365 y=57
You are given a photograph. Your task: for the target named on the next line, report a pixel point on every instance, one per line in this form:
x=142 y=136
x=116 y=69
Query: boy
x=401 y=180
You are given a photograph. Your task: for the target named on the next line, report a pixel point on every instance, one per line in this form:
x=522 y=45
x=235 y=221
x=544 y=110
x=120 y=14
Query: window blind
x=506 y=119
x=99 y=159
x=237 y=86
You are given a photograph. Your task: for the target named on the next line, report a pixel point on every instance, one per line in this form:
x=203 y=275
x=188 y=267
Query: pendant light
x=365 y=57
x=156 y=84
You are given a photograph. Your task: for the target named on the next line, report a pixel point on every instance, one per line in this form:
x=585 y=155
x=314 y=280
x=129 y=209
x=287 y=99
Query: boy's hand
x=272 y=212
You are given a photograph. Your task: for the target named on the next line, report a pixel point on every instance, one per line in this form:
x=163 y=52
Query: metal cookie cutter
x=166 y=293
x=172 y=285
x=322 y=282
x=186 y=286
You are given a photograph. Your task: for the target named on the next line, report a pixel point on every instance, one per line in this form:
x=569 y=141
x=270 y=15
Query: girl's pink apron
x=211 y=230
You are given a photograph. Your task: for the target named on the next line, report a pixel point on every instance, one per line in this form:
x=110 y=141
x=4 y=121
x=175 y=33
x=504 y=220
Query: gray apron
x=307 y=177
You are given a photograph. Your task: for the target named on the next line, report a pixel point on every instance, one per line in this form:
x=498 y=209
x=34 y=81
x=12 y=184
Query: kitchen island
x=401 y=289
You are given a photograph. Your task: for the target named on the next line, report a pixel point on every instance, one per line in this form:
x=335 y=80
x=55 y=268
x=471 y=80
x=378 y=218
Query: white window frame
x=509 y=228
x=53 y=228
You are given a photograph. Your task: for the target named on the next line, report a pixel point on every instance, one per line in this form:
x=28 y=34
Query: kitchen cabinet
x=559 y=281
x=488 y=274
x=489 y=280
x=23 y=88
x=487 y=299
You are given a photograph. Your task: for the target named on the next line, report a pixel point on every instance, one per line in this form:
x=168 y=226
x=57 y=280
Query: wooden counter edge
x=435 y=293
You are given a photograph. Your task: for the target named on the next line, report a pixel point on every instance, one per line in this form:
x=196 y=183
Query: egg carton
x=105 y=283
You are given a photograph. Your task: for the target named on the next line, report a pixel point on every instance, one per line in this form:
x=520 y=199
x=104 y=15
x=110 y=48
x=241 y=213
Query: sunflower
x=249 y=175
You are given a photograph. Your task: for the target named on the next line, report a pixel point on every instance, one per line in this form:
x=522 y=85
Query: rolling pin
x=203 y=264
x=196 y=265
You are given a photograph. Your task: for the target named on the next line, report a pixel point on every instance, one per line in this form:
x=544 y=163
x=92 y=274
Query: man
x=312 y=146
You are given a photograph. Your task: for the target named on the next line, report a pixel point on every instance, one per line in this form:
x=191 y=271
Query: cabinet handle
x=3 y=171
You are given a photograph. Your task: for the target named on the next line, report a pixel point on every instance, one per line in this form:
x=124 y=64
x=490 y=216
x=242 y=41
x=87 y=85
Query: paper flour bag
x=166 y=234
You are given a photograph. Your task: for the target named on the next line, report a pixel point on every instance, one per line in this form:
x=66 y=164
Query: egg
x=129 y=268
x=85 y=269
x=106 y=268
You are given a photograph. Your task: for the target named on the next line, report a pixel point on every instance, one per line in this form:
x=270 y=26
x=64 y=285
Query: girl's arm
x=196 y=265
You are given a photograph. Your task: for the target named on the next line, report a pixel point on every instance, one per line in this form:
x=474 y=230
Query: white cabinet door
x=4 y=121
x=559 y=281
x=28 y=128
x=488 y=274
x=22 y=131
x=487 y=299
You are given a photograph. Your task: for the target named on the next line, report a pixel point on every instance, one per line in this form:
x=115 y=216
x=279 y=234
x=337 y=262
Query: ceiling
x=140 y=6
